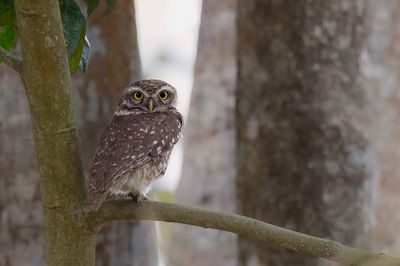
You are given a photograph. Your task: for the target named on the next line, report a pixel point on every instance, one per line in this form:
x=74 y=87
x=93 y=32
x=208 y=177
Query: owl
x=135 y=146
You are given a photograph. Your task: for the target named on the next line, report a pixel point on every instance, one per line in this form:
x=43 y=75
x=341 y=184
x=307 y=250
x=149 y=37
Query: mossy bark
x=48 y=87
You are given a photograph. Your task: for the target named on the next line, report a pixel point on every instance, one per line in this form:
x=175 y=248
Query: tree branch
x=10 y=60
x=244 y=226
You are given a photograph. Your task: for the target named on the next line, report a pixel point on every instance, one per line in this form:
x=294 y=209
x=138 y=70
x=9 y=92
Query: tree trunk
x=303 y=118
x=48 y=88
x=114 y=62
x=209 y=140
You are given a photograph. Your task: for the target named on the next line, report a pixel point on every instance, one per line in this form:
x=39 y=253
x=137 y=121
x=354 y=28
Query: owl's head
x=147 y=96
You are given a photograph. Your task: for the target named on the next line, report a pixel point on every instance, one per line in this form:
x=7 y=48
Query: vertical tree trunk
x=114 y=62
x=208 y=167
x=304 y=153
x=48 y=87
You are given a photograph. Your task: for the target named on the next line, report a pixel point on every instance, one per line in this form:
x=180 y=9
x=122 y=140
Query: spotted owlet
x=135 y=146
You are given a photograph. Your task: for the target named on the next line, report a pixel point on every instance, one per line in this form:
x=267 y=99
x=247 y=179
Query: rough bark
x=114 y=62
x=304 y=157
x=209 y=140
x=48 y=89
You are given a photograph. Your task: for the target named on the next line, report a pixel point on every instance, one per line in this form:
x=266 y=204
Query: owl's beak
x=150 y=104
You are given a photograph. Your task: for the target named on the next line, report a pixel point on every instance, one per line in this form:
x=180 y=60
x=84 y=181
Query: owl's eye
x=137 y=95
x=163 y=95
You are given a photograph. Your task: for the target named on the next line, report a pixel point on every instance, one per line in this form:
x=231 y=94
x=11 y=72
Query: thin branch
x=244 y=226
x=10 y=60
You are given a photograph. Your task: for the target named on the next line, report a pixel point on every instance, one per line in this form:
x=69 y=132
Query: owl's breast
x=142 y=178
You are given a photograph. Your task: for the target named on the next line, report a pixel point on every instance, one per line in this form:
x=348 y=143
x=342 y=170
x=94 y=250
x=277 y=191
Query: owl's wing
x=130 y=141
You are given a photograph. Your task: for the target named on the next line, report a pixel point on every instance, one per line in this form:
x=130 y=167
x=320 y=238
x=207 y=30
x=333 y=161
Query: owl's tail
x=94 y=202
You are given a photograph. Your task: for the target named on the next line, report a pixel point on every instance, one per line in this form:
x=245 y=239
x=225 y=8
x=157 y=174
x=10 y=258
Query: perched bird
x=135 y=146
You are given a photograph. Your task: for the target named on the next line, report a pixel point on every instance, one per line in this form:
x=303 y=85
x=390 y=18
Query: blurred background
x=291 y=116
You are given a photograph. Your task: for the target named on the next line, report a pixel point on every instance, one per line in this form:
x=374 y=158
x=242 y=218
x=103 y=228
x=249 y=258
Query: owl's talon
x=141 y=198
x=133 y=196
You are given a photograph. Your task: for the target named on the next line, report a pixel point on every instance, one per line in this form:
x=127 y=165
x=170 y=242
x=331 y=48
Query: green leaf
x=84 y=62
x=74 y=25
x=75 y=57
x=7 y=12
x=7 y=37
x=7 y=19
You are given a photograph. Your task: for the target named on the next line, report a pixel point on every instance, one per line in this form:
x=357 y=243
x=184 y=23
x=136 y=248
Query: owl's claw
x=139 y=197
x=142 y=197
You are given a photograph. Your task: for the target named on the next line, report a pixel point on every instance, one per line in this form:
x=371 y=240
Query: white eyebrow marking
x=168 y=88
x=130 y=89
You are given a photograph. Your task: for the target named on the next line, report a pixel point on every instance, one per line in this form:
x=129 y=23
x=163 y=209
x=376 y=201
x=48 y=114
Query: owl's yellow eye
x=137 y=95
x=163 y=95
